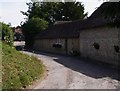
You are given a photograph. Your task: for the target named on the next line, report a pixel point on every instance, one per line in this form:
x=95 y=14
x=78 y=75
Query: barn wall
x=73 y=45
x=106 y=37
x=47 y=45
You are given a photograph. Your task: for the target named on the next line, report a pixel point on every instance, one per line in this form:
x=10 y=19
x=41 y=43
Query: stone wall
x=73 y=45
x=67 y=45
x=98 y=44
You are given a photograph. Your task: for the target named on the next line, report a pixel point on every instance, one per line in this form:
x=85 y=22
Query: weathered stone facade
x=106 y=38
x=93 y=38
x=68 y=45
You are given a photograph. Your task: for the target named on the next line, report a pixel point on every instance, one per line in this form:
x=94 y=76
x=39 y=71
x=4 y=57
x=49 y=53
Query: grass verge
x=19 y=70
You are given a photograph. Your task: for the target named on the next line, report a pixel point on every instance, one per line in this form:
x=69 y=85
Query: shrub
x=7 y=34
x=96 y=46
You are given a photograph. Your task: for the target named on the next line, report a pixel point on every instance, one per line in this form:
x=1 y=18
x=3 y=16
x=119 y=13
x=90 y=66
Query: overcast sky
x=10 y=9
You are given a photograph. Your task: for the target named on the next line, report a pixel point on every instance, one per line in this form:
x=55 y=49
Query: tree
x=31 y=28
x=39 y=13
x=70 y=11
x=7 y=34
x=51 y=12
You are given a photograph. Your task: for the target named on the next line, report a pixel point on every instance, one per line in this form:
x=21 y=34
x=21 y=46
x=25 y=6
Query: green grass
x=19 y=70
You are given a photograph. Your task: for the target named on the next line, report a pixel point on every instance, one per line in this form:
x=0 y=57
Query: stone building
x=59 y=38
x=100 y=42
x=92 y=38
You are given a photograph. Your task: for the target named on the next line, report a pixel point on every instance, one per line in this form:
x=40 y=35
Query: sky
x=10 y=10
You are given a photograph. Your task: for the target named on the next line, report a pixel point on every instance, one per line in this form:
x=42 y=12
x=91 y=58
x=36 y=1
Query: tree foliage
x=70 y=11
x=7 y=34
x=56 y=11
x=33 y=27
x=39 y=13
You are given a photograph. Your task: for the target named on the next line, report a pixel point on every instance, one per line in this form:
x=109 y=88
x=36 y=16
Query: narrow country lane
x=66 y=72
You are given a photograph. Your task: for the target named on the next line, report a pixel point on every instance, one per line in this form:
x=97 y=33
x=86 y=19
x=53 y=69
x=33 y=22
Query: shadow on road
x=84 y=66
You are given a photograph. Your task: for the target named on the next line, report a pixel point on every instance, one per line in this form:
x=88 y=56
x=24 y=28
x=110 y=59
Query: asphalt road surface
x=65 y=72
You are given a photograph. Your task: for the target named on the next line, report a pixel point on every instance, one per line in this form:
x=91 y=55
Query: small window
x=117 y=49
x=96 y=46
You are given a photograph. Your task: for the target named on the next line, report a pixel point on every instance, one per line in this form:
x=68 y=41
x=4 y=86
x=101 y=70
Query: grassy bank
x=18 y=70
